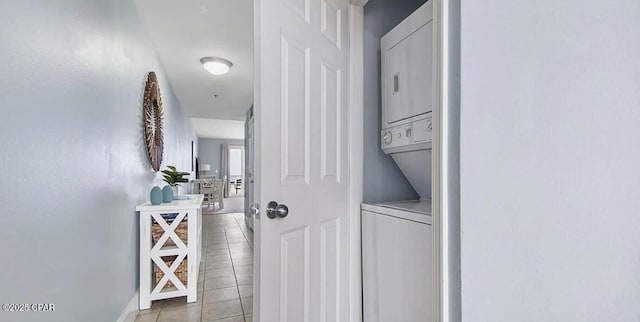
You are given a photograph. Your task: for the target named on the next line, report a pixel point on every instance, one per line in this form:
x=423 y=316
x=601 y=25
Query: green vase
x=167 y=194
x=156 y=195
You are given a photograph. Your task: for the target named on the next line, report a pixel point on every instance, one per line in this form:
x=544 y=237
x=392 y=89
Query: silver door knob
x=254 y=209
x=275 y=210
x=282 y=211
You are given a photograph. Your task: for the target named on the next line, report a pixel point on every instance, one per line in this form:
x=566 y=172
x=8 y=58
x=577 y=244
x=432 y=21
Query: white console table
x=151 y=254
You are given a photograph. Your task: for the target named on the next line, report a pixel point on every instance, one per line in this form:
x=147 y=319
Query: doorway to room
x=236 y=171
x=221 y=165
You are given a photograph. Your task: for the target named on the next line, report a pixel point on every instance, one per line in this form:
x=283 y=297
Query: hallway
x=233 y=204
x=225 y=283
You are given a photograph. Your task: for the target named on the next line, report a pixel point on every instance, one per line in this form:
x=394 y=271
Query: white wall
x=72 y=155
x=550 y=160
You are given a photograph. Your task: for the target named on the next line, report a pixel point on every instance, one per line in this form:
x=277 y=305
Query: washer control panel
x=407 y=135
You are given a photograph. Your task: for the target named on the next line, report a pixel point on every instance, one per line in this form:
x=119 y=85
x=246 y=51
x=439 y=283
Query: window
x=235 y=162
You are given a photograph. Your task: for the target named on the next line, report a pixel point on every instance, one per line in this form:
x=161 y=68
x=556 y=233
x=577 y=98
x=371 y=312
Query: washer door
x=397 y=269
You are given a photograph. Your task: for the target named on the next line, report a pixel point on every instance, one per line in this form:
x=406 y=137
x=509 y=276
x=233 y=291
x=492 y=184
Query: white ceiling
x=218 y=129
x=183 y=31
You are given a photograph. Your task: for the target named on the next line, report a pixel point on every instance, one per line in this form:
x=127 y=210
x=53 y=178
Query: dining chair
x=238 y=185
x=218 y=195
x=207 y=188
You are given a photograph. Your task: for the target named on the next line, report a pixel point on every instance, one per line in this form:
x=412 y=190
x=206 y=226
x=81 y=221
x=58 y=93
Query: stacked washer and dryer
x=397 y=236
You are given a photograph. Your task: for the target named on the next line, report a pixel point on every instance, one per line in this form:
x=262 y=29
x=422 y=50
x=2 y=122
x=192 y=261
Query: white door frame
x=440 y=154
x=446 y=232
x=356 y=153
x=438 y=164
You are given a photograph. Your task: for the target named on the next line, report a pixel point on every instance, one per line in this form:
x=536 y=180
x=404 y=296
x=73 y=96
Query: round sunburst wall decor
x=153 y=117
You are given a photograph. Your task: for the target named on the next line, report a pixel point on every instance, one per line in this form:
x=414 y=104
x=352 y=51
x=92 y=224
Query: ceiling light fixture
x=216 y=65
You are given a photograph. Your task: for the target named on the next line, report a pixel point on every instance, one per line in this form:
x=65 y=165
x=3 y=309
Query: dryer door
x=407 y=68
x=409 y=72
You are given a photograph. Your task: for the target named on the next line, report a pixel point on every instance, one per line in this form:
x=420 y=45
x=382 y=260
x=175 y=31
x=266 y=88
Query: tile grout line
x=205 y=241
x=252 y=254
x=207 y=251
x=233 y=266
x=245 y=237
x=251 y=247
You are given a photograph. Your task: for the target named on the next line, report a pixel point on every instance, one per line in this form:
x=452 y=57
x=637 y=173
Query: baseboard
x=131 y=310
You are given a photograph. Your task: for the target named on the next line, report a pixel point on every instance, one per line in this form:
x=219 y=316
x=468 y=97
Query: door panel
x=302 y=100
x=295 y=111
x=330 y=107
x=294 y=275
x=330 y=270
x=331 y=23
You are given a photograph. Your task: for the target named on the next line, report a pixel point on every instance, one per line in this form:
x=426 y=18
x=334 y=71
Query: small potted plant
x=173 y=177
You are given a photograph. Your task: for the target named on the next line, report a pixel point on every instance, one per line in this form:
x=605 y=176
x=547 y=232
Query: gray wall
x=209 y=151
x=550 y=160
x=383 y=180
x=72 y=155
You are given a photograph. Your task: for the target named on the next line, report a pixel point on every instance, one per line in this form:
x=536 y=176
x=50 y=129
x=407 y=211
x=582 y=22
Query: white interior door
x=302 y=159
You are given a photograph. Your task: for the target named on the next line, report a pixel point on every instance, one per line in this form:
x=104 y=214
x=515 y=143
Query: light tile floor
x=225 y=281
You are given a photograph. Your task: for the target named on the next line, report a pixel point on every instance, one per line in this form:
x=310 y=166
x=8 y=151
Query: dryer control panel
x=415 y=135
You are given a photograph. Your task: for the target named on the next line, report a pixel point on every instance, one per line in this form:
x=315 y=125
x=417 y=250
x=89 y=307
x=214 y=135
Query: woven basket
x=180 y=272
x=181 y=231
